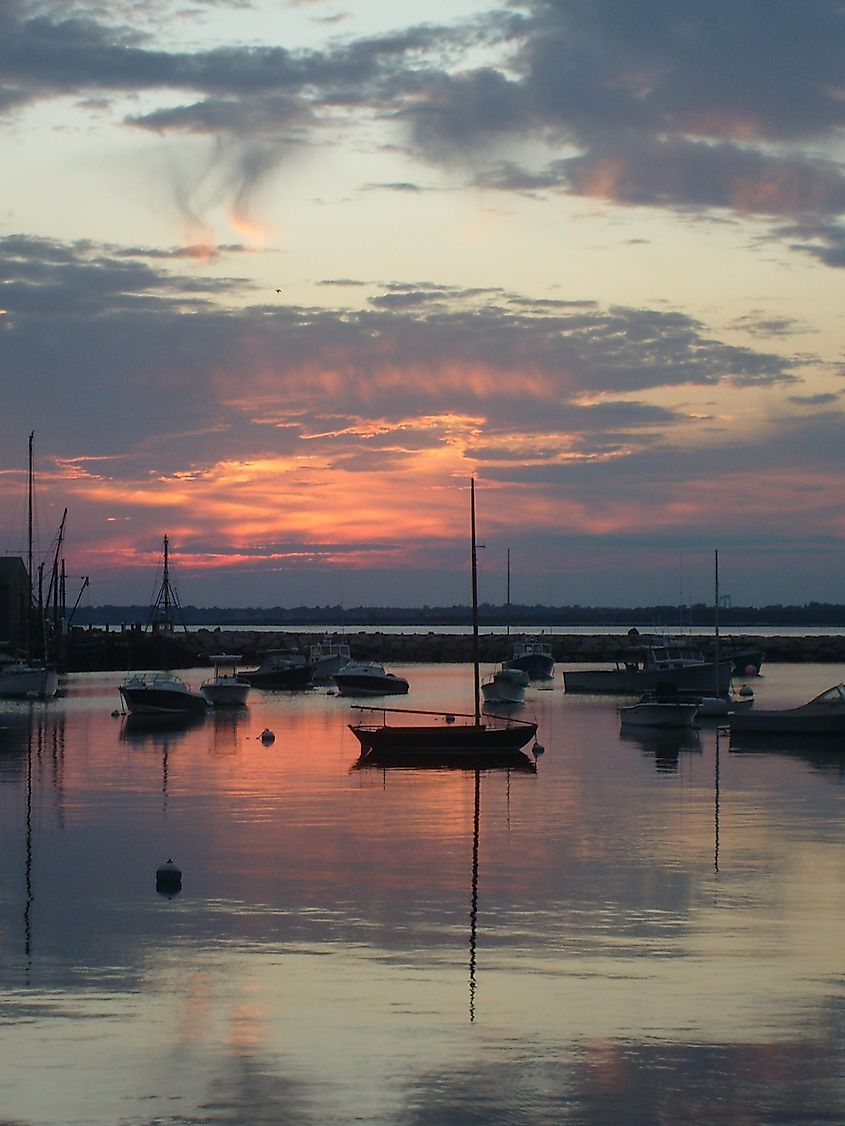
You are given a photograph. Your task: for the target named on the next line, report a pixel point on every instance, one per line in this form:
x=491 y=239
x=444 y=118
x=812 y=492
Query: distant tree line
x=648 y=617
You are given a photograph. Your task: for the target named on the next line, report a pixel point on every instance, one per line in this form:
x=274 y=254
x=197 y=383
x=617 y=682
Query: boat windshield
x=834 y=695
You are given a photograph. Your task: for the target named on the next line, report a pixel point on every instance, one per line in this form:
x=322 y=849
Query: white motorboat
x=27 y=680
x=505 y=686
x=160 y=693
x=659 y=711
x=823 y=715
x=366 y=678
x=226 y=689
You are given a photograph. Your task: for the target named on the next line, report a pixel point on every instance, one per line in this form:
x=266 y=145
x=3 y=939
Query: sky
x=278 y=277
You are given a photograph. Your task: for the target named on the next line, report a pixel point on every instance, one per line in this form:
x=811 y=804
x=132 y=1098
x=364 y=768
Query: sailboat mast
x=475 y=661
x=509 y=594
x=716 y=623
x=165 y=586
x=29 y=551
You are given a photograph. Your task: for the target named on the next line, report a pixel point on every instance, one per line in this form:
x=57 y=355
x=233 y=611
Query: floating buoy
x=116 y=712
x=538 y=749
x=746 y=691
x=750 y=670
x=267 y=736
x=450 y=718
x=168 y=878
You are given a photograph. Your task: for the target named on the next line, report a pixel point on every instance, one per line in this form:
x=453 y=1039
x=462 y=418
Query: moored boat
x=367 y=678
x=823 y=715
x=226 y=689
x=646 y=667
x=533 y=656
x=505 y=686
x=655 y=710
x=467 y=740
x=280 y=669
x=27 y=680
x=328 y=657
x=160 y=692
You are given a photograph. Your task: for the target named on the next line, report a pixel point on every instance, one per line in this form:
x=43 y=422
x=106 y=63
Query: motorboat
x=648 y=666
x=27 y=680
x=475 y=740
x=226 y=689
x=654 y=710
x=823 y=715
x=328 y=657
x=280 y=668
x=533 y=656
x=367 y=678
x=505 y=686
x=160 y=693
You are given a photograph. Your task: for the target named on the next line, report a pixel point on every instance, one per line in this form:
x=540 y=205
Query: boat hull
x=225 y=695
x=455 y=739
x=623 y=682
x=296 y=676
x=24 y=682
x=780 y=723
x=362 y=685
x=539 y=666
x=161 y=701
x=663 y=715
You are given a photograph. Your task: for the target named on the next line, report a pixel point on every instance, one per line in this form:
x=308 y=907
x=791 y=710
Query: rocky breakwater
x=133 y=648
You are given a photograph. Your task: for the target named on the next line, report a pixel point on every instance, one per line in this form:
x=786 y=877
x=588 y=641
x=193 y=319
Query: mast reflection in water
x=637 y=931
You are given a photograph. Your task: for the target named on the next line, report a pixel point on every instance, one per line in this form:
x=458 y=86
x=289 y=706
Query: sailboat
x=28 y=678
x=449 y=738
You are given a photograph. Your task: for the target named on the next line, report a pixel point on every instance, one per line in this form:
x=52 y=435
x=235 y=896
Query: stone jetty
x=91 y=649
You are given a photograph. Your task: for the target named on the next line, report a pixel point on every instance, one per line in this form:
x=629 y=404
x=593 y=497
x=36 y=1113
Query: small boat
x=648 y=665
x=656 y=710
x=505 y=686
x=366 y=678
x=431 y=738
x=280 y=668
x=823 y=715
x=746 y=662
x=27 y=680
x=534 y=656
x=160 y=693
x=328 y=657
x=226 y=689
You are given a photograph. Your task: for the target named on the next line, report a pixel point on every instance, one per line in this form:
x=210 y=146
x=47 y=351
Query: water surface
x=646 y=930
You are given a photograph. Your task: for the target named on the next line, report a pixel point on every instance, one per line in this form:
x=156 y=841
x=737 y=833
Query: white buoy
x=267 y=736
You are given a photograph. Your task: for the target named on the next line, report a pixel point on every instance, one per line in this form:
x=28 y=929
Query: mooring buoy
x=168 y=878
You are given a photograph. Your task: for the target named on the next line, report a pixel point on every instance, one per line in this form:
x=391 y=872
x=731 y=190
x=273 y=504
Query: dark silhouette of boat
x=456 y=736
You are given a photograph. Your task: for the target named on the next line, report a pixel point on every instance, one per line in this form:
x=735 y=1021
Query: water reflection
x=604 y=939
x=663 y=745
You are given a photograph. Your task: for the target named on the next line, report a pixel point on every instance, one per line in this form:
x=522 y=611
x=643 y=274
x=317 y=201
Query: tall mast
x=477 y=678
x=165 y=586
x=29 y=551
x=716 y=622
x=509 y=594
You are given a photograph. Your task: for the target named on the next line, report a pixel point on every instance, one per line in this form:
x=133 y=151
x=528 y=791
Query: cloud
x=735 y=107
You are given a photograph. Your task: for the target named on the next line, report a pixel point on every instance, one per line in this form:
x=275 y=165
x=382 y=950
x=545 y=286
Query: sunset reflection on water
x=637 y=932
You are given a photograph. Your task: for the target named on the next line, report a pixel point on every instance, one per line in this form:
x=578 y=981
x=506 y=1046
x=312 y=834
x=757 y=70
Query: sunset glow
x=600 y=279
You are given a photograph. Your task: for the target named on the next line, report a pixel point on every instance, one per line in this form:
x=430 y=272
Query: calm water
x=642 y=932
